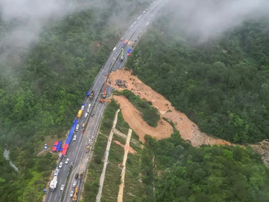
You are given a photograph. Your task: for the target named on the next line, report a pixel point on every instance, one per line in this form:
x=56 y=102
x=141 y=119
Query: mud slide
x=188 y=129
x=126 y=150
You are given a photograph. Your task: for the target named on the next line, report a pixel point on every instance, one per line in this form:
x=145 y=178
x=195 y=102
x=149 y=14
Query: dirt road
x=102 y=177
x=126 y=150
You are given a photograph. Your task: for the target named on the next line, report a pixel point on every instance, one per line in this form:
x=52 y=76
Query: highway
x=77 y=149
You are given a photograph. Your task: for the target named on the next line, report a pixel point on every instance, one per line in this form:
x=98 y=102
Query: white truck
x=53 y=183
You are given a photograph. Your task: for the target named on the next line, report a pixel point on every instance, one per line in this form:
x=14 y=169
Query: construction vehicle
x=104 y=91
x=80 y=175
x=75 y=194
x=92 y=95
x=104 y=100
x=121 y=54
x=79 y=113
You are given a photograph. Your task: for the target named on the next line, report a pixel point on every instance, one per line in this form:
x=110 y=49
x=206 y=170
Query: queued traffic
x=68 y=159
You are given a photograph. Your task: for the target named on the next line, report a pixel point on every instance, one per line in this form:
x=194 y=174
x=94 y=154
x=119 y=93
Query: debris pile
x=121 y=83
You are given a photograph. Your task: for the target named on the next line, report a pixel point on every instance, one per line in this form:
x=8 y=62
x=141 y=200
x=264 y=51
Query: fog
x=24 y=20
x=209 y=19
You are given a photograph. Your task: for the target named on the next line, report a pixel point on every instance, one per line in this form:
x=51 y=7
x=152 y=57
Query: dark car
x=76 y=176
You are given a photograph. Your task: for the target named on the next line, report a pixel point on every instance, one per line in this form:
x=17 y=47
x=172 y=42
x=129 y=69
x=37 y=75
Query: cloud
x=211 y=18
x=23 y=20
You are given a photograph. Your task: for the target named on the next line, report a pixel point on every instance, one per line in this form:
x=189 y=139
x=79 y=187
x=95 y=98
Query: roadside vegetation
x=180 y=172
x=221 y=85
x=91 y=186
x=42 y=88
x=149 y=113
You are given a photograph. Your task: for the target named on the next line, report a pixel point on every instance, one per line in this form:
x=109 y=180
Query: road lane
x=78 y=148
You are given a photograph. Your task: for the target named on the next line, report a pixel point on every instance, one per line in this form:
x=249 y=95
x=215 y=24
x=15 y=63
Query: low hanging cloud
x=211 y=18
x=22 y=21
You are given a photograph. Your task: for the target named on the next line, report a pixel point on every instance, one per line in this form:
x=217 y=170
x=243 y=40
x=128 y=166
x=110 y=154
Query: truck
x=121 y=54
x=75 y=194
x=79 y=113
x=104 y=92
x=53 y=183
x=92 y=95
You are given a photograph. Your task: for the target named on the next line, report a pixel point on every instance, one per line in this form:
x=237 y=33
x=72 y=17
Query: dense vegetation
x=134 y=188
x=149 y=113
x=182 y=173
x=221 y=85
x=42 y=88
x=91 y=186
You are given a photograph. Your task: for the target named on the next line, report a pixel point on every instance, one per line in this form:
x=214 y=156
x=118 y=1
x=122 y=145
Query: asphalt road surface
x=77 y=149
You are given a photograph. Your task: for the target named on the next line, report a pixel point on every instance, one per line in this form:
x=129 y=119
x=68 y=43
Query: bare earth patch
x=131 y=150
x=188 y=129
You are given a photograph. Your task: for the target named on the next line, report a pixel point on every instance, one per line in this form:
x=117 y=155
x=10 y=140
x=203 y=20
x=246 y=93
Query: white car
x=75 y=137
x=75 y=184
x=86 y=114
x=62 y=187
x=61 y=165
x=71 y=194
x=82 y=107
x=88 y=110
x=89 y=106
x=77 y=127
x=114 y=48
x=56 y=172
x=67 y=160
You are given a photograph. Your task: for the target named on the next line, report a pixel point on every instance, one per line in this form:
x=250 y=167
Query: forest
x=42 y=87
x=149 y=113
x=181 y=173
x=221 y=85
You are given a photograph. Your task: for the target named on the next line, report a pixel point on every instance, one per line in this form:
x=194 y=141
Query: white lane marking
x=50 y=196
x=55 y=197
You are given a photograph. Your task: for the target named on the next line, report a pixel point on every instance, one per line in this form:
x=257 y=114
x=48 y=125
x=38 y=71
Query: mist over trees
x=44 y=80
x=221 y=85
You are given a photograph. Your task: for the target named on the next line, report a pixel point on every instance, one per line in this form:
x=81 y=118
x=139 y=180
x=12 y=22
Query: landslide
x=188 y=129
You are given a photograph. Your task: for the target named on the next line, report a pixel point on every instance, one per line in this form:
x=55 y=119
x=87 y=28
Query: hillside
x=43 y=85
x=221 y=84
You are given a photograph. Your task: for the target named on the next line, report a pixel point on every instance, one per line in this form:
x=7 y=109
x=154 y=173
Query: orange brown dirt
x=188 y=129
x=131 y=150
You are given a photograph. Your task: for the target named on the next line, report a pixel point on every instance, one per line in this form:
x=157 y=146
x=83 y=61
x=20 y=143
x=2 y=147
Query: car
x=61 y=165
x=71 y=194
x=88 y=110
x=114 y=48
x=77 y=127
x=89 y=106
x=76 y=176
x=86 y=114
x=75 y=184
x=75 y=137
x=62 y=187
x=67 y=160
x=82 y=107
x=56 y=172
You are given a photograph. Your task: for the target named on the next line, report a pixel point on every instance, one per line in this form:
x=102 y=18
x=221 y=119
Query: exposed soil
x=131 y=150
x=188 y=129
